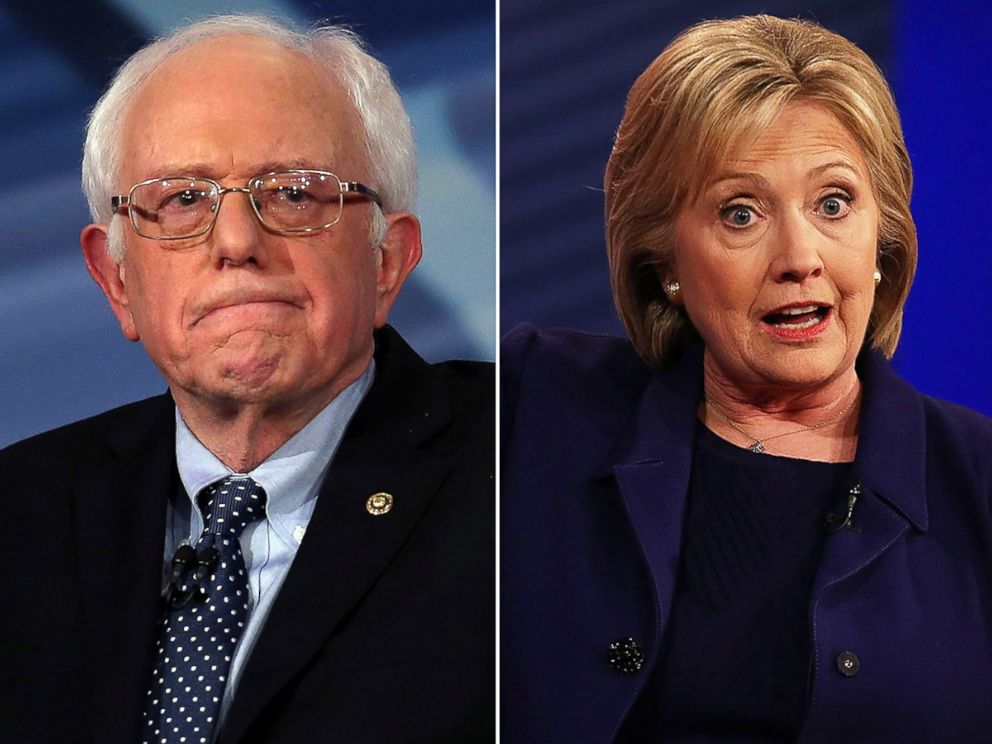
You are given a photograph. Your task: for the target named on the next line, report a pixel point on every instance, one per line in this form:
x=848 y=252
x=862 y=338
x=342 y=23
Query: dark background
x=565 y=71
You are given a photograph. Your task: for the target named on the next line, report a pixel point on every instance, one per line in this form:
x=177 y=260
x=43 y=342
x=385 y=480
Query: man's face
x=243 y=315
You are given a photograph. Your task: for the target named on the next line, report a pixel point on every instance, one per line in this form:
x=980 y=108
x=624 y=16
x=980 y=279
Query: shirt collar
x=292 y=474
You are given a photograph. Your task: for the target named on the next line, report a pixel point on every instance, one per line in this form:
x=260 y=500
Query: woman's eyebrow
x=846 y=165
x=750 y=176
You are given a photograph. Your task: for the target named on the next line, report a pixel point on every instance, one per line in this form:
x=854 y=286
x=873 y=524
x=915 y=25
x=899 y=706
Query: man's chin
x=241 y=382
x=252 y=384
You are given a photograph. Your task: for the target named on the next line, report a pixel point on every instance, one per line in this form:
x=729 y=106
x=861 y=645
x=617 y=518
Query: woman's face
x=776 y=257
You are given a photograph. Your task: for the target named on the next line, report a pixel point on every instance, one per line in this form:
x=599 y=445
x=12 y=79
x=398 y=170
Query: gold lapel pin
x=379 y=503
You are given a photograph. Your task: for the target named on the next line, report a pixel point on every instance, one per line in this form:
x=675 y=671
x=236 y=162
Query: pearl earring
x=877 y=276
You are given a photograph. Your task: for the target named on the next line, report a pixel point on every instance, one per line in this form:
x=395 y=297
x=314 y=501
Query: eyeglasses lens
x=297 y=202
x=174 y=207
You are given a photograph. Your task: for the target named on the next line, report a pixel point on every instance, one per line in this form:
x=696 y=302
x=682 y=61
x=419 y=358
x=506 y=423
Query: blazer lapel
x=118 y=523
x=890 y=468
x=387 y=448
x=651 y=464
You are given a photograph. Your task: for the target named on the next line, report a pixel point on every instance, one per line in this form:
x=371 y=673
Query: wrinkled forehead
x=244 y=102
x=734 y=139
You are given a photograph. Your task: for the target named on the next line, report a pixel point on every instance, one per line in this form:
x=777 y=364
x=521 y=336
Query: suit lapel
x=651 y=464
x=892 y=430
x=118 y=523
x=890 y=466
x=388 y=448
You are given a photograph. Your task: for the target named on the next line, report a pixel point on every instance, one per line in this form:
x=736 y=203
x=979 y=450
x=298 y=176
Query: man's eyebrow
x=182 y=169
x=282 y=165
x=203 y=170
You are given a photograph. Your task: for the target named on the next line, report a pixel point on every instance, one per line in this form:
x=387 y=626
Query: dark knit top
x=735 y=657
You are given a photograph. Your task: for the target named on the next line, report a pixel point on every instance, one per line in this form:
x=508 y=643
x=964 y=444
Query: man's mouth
x=245 y=301
x=797 y=317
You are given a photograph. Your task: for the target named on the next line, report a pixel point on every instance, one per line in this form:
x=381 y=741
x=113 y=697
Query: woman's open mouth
x=798 y=321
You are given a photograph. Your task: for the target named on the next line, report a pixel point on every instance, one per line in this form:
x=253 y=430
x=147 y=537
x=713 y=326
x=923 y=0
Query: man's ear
x=109 y=275
x=401 y=252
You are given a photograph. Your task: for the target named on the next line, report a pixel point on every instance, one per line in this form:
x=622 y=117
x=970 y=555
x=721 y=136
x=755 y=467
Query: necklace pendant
x=758 y=446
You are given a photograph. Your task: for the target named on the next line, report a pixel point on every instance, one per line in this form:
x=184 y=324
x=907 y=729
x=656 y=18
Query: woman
x=742 y=525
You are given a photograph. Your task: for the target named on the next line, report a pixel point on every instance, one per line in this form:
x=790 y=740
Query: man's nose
x=796 y=250
x=237 y=236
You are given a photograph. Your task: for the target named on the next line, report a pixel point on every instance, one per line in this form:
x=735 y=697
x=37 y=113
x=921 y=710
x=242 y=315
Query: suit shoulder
x=471 y=388
x=956 y=432
x=81 y=440
x=557 y=348
x=598 y=364
x=467 y=373
x=955 y=417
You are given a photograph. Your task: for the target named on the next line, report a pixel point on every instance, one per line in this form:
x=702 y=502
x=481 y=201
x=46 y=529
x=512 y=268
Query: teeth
x=799 y=310
x=805 y=324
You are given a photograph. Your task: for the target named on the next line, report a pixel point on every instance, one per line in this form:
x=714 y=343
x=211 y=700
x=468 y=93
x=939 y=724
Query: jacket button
x=848 y=663
x=626 y=656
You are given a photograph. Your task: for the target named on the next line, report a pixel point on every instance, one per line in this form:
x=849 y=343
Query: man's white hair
x=388 y=137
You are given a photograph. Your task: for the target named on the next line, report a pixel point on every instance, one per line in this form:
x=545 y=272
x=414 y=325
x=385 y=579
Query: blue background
x=565 y=71
x=61 y=353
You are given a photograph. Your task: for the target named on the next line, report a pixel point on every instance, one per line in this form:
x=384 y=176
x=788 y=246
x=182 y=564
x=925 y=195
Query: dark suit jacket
x=596 y=474
x=382 y=632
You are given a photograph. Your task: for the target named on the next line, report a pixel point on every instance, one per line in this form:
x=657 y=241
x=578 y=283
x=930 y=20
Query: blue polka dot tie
x=206 y=615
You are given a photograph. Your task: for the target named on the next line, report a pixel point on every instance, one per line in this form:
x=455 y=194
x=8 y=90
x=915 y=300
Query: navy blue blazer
x=596 y=461
x=382 y=632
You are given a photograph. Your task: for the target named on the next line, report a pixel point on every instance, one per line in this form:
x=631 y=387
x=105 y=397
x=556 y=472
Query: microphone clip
x=837 y=522
x=183 y=588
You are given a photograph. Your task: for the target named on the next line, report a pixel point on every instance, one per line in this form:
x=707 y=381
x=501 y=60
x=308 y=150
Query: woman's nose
x=796 y=250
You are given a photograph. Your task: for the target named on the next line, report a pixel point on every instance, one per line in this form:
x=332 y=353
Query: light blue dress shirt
x=292 y=477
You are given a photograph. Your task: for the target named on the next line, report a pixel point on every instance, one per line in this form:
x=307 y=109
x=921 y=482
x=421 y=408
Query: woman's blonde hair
x=714 y=88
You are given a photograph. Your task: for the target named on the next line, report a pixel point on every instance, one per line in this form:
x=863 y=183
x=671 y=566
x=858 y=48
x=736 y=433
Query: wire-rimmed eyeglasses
x=291 y=202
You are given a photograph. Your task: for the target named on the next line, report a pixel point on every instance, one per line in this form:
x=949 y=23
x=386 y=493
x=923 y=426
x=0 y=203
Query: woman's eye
x=738 y=215
x=835 y=206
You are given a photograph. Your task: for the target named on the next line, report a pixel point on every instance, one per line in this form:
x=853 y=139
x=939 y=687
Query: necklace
x=758 y=445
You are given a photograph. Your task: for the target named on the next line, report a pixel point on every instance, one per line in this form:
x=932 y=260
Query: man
x=251 y=189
